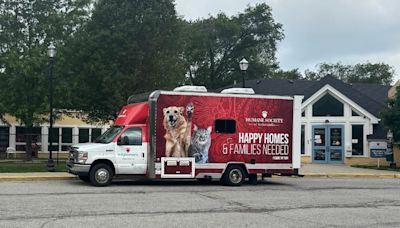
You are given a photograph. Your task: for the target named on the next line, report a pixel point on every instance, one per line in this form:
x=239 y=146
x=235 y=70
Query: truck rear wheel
x=234 y=176
x=101 y=175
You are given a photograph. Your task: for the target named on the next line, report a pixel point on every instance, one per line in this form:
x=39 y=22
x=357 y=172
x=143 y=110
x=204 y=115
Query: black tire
x=84 y=179
x=234 y=176
x=101 y=175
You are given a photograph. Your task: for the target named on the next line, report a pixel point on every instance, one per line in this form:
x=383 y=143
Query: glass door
x=319 y=144
x=327 y=144
x=335 y=144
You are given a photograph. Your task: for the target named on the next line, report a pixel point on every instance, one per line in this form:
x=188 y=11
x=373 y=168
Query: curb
x=36 y=178
x=306 y=175
x=354 y=175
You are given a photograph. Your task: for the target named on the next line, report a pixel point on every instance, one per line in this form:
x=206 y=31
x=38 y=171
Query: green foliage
x=26 y=28
x=214 y=46
x=391 y=115
x=128 y=47
x=290 y=74
x=376 y=73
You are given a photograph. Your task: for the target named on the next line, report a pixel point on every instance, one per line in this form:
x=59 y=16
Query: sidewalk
x=308 y=170
x=340 y=170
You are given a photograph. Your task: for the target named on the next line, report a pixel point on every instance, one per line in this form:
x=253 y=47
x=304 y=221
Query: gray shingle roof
x=369 y=96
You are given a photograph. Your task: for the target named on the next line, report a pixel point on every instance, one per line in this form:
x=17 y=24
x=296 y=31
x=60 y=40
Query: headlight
x=82 y=156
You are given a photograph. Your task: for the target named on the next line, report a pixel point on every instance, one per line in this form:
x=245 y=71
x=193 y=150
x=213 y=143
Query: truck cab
x=122 y=149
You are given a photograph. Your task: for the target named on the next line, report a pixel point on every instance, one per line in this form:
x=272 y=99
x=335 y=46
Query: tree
x=26 y=28
x=128 y=47
x=391 y=115
x=214 y=46
x=290 y=74
x=377 y=73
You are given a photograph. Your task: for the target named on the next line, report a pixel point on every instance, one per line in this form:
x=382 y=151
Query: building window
x=357 y=139
x=225 y=126
x=55 y=135
x=4 y=138
x=96 y=132
x=83 y=135
x=353 y=113
x=303 y=143
x=22 y=133
x=55 y=138
x=328 y=106
x=66 y=138
x=66 y=135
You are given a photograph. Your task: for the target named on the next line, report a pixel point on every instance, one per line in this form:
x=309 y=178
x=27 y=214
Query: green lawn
x=376 y=167
x=29 y=166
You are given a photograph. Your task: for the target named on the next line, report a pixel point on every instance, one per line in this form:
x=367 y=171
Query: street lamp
x=51 y=52
x=243 y=64
x=389 y=136
x=389 y=150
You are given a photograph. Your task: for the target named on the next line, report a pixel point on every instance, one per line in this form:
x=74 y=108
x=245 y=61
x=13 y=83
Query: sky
x=316 y=31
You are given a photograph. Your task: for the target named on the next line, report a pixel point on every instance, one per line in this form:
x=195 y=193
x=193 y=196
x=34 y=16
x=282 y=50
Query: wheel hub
x=236 y=176
x=102 y=176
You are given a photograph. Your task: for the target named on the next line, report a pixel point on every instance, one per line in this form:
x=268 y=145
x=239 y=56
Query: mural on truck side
x=217 y=129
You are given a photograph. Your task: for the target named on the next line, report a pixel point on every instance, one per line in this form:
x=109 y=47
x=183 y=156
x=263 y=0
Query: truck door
x=131 y=152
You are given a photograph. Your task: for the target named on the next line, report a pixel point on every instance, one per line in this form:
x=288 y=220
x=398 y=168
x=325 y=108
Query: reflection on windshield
x=109 y=135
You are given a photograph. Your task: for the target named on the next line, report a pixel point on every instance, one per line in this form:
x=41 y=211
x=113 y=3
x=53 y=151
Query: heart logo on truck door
x=128 y=150
x=264 y=114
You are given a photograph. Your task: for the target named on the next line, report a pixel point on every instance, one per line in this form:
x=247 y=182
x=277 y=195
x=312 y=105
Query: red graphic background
x=209 y=108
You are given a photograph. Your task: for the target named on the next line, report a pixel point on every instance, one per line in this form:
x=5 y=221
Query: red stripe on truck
x=208 y=171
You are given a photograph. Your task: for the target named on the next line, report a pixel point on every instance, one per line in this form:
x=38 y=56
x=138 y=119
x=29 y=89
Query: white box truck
x=189 y=133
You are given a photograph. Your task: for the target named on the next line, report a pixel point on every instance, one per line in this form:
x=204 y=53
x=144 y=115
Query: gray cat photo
x=201 y=142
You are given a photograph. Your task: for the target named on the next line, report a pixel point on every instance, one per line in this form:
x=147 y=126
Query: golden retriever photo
x=178 y=130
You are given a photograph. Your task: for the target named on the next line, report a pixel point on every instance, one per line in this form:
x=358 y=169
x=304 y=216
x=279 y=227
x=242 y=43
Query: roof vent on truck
x=238 y=91
x=199 y=89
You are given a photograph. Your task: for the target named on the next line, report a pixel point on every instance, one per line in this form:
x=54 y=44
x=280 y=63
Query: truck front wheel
x=234 y=176
x=101 y=175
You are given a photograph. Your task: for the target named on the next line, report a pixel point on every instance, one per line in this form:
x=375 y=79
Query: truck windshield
x=109 y=135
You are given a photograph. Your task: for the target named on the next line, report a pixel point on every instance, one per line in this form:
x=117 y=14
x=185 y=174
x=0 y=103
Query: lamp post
x=389 y=150
x=51 y=52
x=243 y=64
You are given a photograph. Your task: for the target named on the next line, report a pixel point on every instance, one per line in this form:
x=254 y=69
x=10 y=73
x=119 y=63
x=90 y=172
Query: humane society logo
x=263 y=120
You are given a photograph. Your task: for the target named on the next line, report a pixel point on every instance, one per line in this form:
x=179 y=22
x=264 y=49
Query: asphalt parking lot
x=281 y=202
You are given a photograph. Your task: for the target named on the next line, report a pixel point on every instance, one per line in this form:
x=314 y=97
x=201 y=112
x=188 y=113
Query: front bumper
x=78 y=169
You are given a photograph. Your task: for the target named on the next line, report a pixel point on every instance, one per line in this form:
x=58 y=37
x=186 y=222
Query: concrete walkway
x=308 y=170
x=340 y=170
